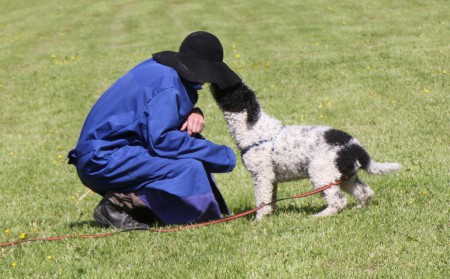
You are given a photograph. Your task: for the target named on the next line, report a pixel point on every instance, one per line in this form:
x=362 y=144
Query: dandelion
x=14 y=264
x=426 y=91
x=444 y=72
x=23 y=235
x=237 y=55
x=6 y=231
x=49 y=258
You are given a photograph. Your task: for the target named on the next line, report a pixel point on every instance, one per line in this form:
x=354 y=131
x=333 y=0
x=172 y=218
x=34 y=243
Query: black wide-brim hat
x=200 y=59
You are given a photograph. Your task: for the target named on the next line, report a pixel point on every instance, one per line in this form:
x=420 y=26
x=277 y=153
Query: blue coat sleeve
x=165 y=113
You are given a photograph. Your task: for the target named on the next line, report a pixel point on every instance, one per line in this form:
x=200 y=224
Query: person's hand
x=194 y=123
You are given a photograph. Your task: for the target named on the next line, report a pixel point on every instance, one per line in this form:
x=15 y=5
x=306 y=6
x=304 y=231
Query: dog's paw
x=260 y=215
x=326 y=212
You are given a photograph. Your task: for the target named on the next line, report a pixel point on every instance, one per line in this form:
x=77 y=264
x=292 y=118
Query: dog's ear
x=252 y=105
x=237 y=99
x=229 y=99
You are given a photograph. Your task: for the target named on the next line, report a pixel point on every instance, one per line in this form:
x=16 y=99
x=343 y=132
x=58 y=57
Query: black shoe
x=107 y=215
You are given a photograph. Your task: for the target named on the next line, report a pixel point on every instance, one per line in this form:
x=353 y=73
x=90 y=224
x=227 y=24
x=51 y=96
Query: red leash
x=86 y=236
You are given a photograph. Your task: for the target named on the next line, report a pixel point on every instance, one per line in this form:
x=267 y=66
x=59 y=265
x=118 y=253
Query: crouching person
x=140 y=146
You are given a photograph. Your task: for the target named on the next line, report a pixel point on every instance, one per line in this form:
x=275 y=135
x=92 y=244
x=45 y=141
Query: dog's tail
x=382 y=168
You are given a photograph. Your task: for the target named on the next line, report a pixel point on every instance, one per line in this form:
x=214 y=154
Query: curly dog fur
x=273 y=153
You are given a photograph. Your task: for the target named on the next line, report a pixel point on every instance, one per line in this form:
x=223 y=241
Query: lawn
x=379 y=70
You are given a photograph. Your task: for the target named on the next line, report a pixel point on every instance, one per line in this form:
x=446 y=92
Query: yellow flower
x=444 y=72
x=426 y=91
x=6 y=231
x=23 y=235
x=425 y=192
x=49 y=258
x=13 y=264
x=237 y=55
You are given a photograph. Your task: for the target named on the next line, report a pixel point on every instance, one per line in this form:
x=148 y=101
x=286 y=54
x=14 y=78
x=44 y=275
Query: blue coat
x=131 y=142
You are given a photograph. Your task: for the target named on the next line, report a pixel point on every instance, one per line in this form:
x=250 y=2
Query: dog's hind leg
x=321 y=174
x=362 y=193
x=336 y=201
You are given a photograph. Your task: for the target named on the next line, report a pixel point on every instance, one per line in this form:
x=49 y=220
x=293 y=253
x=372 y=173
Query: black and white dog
x=273 y=153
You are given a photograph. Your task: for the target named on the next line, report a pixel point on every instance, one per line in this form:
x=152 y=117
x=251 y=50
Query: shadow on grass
x=81 y=224
x=281 y=209
x=304 y=210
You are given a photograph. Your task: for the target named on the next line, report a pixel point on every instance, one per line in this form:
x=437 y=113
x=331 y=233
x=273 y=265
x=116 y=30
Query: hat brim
x=198 y=70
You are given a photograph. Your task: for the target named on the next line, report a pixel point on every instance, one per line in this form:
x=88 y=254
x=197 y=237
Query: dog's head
x=237 y=98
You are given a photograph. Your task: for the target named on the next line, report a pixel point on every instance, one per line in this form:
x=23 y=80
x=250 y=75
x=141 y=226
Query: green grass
x=378 y=69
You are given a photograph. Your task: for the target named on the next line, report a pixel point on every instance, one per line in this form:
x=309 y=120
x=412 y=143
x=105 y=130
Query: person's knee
x=192 y=165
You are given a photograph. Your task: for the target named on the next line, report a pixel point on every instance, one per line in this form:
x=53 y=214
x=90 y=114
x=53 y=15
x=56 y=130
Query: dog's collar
x=245 y=150
x=258 y=143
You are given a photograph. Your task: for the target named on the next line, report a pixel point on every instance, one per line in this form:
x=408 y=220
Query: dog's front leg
x=259 y=163
x=265 y=193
